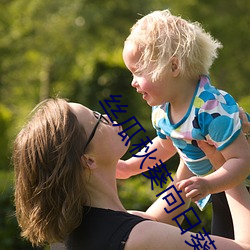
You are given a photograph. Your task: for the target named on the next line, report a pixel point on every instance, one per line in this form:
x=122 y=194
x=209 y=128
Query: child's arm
x=130 y=167
x=233 y=172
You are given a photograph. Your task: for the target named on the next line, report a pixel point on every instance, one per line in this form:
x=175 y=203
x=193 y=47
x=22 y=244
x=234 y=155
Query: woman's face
x=106 y=142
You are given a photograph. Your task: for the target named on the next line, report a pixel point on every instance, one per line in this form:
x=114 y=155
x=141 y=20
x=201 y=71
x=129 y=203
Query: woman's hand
x=214 y=156
x=245 y=124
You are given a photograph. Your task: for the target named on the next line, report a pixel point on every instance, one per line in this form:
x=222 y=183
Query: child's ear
x=175 y=66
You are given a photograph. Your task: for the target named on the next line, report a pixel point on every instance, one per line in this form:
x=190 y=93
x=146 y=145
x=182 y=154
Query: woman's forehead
x=84 y=116
x=82 y=113
x=78 y=108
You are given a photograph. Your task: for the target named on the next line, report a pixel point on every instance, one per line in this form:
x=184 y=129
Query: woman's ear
x=175 y=66
x=90 y=161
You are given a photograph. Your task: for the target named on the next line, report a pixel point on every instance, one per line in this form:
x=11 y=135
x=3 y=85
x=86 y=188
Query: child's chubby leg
x=157 y=211
x=127 y=168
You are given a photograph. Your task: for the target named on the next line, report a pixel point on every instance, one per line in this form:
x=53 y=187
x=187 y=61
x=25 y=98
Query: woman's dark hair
x=49 y=180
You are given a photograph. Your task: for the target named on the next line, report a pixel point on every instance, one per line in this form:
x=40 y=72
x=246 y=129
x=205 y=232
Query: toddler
x=170 y=59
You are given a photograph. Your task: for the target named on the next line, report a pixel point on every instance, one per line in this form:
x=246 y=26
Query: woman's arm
x=160 y=236
x=239 y=203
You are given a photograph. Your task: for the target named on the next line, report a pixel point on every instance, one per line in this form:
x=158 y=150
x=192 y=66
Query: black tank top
x=102 y=229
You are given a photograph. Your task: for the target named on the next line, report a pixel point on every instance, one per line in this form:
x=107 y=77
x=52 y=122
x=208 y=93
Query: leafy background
x=72 y=48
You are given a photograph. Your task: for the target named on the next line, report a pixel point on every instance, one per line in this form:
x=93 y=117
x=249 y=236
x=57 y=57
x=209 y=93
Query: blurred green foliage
x=72 y=48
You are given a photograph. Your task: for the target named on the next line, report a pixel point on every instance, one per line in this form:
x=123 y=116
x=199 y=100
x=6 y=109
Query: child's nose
x=134 y=83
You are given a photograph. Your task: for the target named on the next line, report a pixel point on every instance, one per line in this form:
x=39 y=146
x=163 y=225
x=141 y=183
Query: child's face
x=152 y=92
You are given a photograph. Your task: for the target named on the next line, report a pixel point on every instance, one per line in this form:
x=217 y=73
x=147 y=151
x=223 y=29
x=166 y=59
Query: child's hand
x=122 y=171
x=195 y=187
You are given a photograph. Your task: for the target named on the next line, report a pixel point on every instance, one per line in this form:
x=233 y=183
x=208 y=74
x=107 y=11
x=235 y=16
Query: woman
x=65 y=187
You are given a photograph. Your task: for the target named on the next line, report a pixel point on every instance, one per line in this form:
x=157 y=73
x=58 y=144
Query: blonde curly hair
x=160 y=36
x=49 y=181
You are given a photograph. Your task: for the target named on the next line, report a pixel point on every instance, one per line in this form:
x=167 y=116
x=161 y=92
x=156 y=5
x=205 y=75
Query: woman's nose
x=108 y=118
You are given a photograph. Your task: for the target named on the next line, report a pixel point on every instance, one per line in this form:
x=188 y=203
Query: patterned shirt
x=213 y=115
